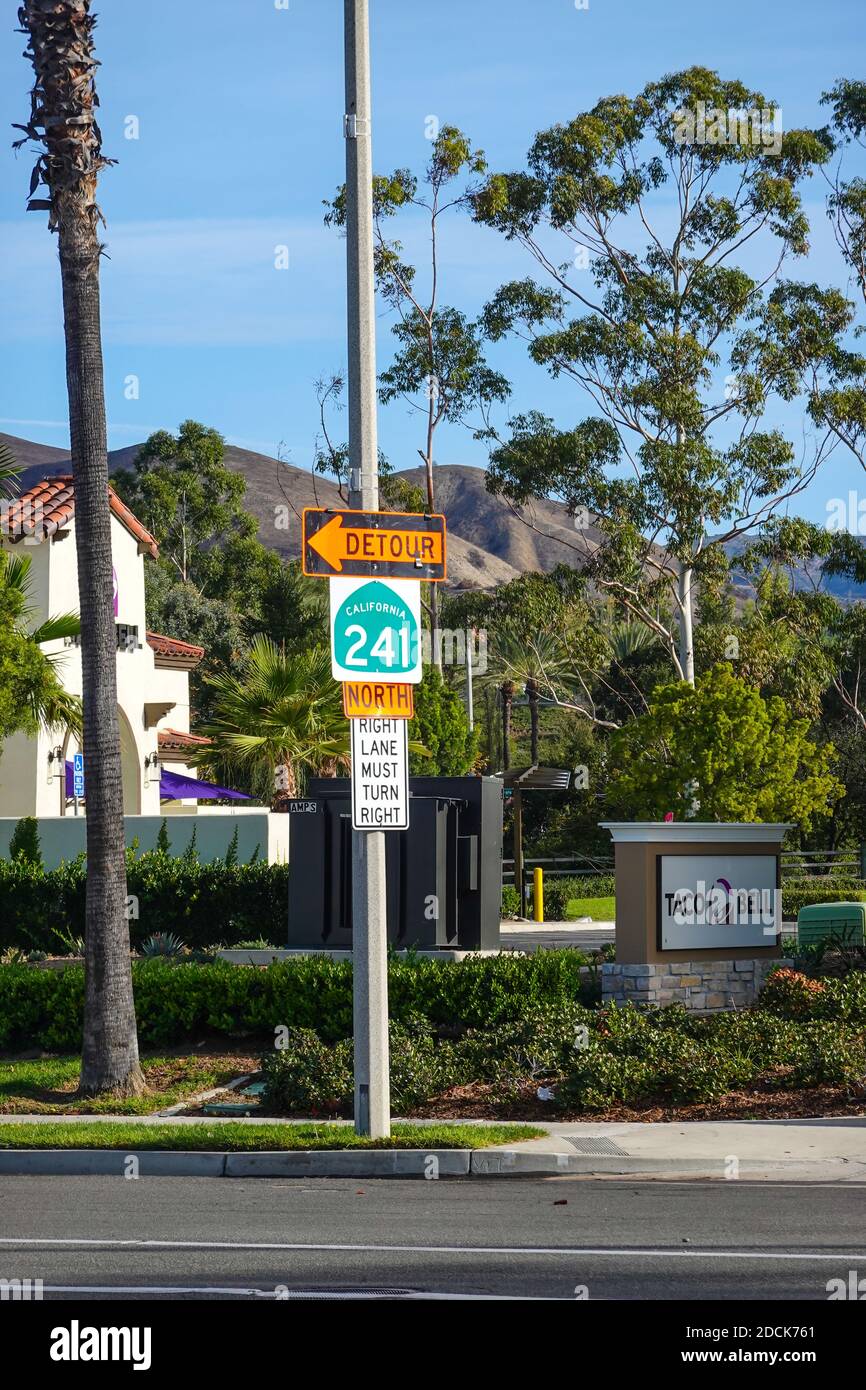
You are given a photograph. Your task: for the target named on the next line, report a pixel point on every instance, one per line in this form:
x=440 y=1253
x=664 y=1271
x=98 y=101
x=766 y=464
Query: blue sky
x=239 y=106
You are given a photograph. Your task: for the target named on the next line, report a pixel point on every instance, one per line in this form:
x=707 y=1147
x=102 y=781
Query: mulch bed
x=481 y=1102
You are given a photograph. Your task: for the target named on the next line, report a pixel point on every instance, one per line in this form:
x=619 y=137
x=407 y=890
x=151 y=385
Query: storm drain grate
x=597 y=1146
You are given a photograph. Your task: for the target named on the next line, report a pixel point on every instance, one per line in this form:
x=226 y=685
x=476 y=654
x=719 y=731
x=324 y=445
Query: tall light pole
x=369 y=932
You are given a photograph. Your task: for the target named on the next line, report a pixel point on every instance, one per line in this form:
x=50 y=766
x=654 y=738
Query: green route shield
x=376 y=629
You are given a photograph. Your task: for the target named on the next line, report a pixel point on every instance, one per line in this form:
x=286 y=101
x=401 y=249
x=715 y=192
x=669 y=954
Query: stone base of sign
x=707 y=986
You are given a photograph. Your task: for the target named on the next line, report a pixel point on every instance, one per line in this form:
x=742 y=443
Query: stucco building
x=152 y=669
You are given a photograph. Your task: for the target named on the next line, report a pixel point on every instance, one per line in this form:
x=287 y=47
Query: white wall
x=24 y=785
x=63 y=837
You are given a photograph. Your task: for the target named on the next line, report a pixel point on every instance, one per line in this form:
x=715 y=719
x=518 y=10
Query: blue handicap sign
x=78 y=775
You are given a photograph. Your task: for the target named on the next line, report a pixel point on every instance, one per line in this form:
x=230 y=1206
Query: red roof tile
x=173 y=651
x=176 y=741
x=50 y=506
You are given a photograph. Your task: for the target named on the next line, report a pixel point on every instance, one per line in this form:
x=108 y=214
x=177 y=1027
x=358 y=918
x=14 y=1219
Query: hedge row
x=806 y=1033
x=203 y=904
x=179 y=1001
x=797 y=893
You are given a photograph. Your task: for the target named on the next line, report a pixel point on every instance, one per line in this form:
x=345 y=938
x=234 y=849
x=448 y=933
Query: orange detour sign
x=393 y=545
x=362 y=699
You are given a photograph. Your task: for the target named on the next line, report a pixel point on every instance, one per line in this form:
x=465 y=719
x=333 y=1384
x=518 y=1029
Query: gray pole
x=369 y=936
x=470 y=708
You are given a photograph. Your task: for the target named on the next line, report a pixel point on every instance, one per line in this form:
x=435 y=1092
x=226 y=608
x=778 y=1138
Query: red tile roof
x=50 y=506
x=176 y=741
x=174 y=651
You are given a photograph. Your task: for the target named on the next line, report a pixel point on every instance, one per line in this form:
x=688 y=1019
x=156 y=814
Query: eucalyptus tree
x=439 y=368
x=661 y=236
x=63 y=122
x=838 y=397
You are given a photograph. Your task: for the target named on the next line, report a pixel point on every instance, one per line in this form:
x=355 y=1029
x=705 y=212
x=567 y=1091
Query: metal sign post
x=369 y=935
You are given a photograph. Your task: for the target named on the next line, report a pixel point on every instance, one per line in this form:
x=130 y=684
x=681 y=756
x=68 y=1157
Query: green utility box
x=820 y=920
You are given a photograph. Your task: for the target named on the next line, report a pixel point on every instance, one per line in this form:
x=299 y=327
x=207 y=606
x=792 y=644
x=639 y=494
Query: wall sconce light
x=151 y=762
x=55 y=756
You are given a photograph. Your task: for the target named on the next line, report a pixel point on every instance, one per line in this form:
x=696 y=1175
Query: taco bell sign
x=718 y=900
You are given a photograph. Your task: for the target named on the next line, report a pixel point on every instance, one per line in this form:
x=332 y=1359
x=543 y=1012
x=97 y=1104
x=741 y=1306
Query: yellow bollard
x=538 y=895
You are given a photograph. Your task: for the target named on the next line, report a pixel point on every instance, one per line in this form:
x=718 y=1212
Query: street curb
x=402 y=1163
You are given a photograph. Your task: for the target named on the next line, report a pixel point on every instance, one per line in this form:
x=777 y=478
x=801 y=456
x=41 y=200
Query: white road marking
x=284 y=1296
x=571 y=1251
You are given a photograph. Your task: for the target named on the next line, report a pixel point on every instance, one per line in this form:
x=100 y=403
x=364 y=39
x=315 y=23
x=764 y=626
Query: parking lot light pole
x=369 y=929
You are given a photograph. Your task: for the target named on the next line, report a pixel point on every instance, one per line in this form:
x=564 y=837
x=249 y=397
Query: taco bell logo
x=722 y=905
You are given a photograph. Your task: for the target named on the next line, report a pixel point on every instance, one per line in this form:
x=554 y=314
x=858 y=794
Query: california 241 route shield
x=376 y=630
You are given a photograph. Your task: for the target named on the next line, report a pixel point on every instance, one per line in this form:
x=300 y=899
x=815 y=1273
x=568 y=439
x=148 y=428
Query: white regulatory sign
x=380 y=774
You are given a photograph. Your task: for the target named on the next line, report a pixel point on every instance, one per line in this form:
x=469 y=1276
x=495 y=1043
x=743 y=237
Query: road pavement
x=557 y=1238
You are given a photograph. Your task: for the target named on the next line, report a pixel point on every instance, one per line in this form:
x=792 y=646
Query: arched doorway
x=129 y=767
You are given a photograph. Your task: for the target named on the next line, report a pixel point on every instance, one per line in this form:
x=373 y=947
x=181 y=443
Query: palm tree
x=63 y=122
x=9 y=471
x=538 y=663
x=50 y=705
x=279 y=719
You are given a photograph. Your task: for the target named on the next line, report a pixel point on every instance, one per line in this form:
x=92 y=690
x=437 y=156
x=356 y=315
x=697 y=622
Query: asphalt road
x=224 y=1238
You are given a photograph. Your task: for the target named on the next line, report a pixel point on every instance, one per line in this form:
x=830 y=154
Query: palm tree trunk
x=532 y=696
x=63 y=119
x=507 y=689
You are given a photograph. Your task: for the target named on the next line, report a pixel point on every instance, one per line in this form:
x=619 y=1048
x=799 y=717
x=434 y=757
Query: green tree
x=24 y=842
x=62 y=121
x=650 y=317
x=439 y=367
x=180 y=487
x=278 y=719
x=441 y=742
x=720 y=750
x=838 y=397
x=31 y=692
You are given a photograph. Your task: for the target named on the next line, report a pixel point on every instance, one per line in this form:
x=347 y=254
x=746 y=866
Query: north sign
x=388 y=545
x=362 y=699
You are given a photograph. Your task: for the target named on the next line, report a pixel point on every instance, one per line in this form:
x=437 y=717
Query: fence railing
x=561 y=866
x=795 y=864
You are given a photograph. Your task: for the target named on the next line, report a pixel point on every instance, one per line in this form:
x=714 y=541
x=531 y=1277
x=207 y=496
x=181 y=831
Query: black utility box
x=444 y=873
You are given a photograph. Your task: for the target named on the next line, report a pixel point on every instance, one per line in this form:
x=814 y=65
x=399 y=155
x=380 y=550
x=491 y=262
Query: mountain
x=489 y=540
x=37 y=460
x=487 y=544
x=846 y=591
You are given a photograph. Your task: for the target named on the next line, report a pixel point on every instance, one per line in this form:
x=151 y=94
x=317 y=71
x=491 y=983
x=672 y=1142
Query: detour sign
x=391 y=545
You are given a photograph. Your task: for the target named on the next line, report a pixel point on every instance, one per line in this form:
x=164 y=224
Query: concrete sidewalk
x=832 y=1150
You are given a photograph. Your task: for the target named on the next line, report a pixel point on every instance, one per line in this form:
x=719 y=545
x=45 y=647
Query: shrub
x=802 y=892
x=182 y=897
x=162 y=944
x=510 y=901
x=307 y=1076
x=790 y=994
x=24 y=843
x=178 y=999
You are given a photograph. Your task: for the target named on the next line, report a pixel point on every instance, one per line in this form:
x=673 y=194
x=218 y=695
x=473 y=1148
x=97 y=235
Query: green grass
x=46 y=1085
x=599 y=909
x=128 y=1136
